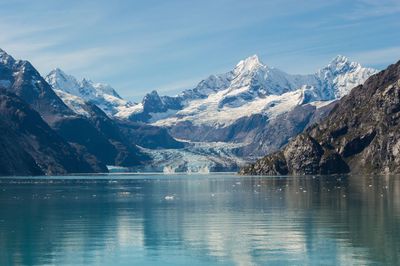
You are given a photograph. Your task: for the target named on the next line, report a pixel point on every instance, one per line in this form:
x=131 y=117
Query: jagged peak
x=86 y=82
x=5 y=58
x=152 y=102
x=340 y=64
x=57 y=73
x=60 y=80
x=340 y=59
x=106 y=88
x=151 y=95
x=250 y=63
x=2 y=52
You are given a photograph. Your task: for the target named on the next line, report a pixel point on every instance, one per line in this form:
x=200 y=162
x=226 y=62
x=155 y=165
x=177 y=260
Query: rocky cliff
x=360 y=135
x=28 y=146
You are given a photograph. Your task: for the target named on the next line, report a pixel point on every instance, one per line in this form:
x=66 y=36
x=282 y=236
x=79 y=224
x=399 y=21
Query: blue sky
x=138 y=46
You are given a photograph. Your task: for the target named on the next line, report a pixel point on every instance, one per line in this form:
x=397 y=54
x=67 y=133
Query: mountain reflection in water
x=201 y=220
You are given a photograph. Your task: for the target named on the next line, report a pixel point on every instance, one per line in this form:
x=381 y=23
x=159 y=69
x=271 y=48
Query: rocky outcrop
x=28 y=146
x=360 y=135
x=148 y=136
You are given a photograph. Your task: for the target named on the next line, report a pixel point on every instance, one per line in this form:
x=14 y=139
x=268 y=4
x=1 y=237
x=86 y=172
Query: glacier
x=229 y=118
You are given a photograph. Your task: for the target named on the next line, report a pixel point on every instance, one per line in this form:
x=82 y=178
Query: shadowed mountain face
x=361 y=134
x=100 y=136
x=30 y=147
x=148 y=136
x=22 y=79
x=95 y=137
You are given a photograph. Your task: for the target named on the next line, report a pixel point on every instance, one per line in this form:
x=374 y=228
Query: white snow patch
x=75 y=103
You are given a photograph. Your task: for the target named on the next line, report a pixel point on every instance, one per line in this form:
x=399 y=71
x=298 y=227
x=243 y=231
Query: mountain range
x=225 y=121
x=256 y=107
x=95 y=138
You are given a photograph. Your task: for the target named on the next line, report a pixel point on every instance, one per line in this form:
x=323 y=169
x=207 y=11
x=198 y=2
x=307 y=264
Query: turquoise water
x=200 y=220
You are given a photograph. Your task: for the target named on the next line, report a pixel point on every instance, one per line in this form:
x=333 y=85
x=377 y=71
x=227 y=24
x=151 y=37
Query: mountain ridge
x=246 y=103
x=250 y=80
x=87 y=134
x=360 y=135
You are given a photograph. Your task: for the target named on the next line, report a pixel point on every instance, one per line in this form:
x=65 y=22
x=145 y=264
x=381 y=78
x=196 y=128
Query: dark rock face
x=360 y=135
x=148 y=136
x=274 y=164
x=96 y=138
x=153 y=103
x=126 y=152
x=303 y=155
x=99 y=136
x=30 y=147
x=22 y=79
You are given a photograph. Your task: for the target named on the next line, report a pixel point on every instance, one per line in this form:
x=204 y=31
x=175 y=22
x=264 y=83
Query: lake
x=216 y=219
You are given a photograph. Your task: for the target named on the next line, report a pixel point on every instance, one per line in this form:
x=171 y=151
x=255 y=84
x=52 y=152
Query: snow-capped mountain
x=259 y=106
x=74 y=93
x=255 y=88
x=218 y=101
x=254 y=105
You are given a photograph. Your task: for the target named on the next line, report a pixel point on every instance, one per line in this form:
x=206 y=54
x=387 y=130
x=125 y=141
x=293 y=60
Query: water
x=200 y=220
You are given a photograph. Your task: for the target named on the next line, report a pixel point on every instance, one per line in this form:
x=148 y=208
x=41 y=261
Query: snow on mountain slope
x=218 y=101
x=254 y=88
x=75 y=103
x=103 y=95
x=255 y=106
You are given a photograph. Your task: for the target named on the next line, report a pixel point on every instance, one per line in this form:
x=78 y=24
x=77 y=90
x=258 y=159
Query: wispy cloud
x=373 y=8
x=137 y=46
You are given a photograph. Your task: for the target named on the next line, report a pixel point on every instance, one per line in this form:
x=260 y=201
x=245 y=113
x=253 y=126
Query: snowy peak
x=249 y=64
x=67 y=83
x=341 y=64
x=105 y=88
x=254 y=88
x=6 y=58
x=340 y=76
x=59 y=80
x=103 y=95
x=249 y=88
x=339 y=59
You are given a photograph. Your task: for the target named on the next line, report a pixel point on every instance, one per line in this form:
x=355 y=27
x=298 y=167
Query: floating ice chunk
x=169 y=197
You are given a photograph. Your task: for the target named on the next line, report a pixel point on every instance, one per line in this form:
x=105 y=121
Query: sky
x=171 y=45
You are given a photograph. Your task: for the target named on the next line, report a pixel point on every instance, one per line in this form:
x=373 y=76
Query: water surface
x=200 y=220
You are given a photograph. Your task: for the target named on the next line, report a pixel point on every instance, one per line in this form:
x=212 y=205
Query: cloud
x=169 y=45
x=373 y=8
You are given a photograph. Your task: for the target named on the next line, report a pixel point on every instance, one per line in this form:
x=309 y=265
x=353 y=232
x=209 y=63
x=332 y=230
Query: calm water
x=200 y=220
